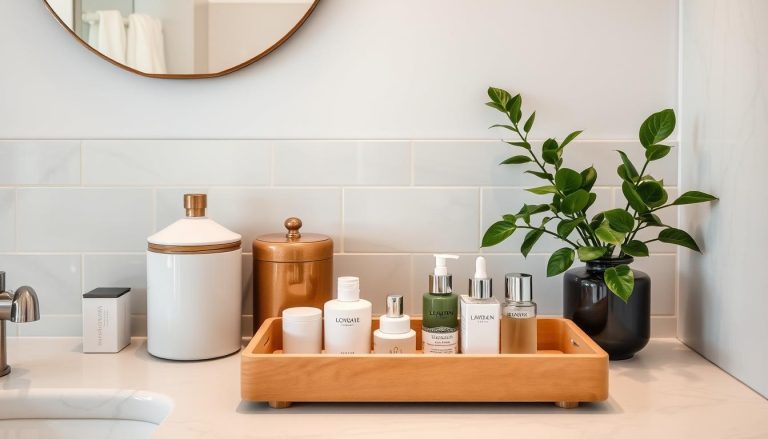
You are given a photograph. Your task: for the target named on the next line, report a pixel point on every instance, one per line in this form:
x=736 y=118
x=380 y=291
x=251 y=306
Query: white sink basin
x=81 y=413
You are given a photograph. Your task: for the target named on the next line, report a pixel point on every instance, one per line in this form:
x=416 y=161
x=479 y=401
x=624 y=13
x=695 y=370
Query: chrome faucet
x=19 y=307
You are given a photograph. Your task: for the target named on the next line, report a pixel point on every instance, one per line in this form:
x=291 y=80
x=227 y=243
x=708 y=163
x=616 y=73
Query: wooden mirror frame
x=188 y=75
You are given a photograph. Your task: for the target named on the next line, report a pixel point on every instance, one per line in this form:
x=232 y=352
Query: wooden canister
x=290 y=269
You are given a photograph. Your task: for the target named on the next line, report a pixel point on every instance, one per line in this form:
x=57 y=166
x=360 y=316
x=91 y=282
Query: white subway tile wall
x=79 y=215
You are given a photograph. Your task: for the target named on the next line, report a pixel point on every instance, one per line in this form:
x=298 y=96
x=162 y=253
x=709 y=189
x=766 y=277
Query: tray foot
x=280 y=404
x=567 y=404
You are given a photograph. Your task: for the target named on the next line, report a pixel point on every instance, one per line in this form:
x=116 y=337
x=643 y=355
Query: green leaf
x=509 y=217
x=635 y=248
x=557 y=202
x=588 y=178
x=591 y=253
x=534 y=209
x=499 y=96
x=678 y=237
x=542 y=190
x=529 y=123
x=530 y=239
x=549 y=151
x=608 y=235
x=656 y=152
x=575 y=202
x=692 y=197
x=525 y=145
x=596 y=221
x=544 y=175
x=567 y=180
x=570 y=137
x=560 y=261
x=620 y=220
x=565 y=227
x=513 y=106
x=516 y=160
x=496 y=106
x=630 y=169
x=651 y=219
x=622 y=171
x=592 y=199
x=657 y=127
x=498 y=232
x=526 y=211
x=652 y=193
x=620 y=280
x=509 y=127
x=633 y=198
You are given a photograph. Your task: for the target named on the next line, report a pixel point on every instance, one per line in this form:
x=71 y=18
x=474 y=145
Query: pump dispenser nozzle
x=480 y=286
x=440 y=268
x=440 y=282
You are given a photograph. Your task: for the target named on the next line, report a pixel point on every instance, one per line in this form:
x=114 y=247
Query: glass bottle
x=440 y=325
x=518 y=315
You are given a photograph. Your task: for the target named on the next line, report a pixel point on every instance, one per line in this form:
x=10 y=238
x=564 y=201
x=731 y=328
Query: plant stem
x=550 y=233
x=586 y=238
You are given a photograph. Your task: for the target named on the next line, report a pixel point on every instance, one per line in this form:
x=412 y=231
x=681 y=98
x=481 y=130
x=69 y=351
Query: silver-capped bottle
x=518 y=315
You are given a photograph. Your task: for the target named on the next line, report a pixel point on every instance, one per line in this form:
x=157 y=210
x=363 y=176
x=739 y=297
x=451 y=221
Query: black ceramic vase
x=621 y=329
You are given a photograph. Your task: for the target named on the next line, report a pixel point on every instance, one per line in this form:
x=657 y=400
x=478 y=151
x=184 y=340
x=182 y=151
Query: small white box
x=106 y=320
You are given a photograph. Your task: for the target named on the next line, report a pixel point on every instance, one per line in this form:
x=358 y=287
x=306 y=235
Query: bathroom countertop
x=666 y=391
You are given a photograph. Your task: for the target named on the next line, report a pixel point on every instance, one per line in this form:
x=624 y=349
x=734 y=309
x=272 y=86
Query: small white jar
x=302 y=330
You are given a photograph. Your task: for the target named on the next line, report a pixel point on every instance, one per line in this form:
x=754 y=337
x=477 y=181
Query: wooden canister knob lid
x=293 y=225
x=195 y=204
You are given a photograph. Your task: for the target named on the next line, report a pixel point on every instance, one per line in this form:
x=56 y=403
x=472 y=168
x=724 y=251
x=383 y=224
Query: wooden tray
x=567 y=369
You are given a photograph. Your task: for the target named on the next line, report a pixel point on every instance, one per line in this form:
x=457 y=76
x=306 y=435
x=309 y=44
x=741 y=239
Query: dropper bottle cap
x=395 y=322
x=441 y=282
x=480 y=286
x=394 y=305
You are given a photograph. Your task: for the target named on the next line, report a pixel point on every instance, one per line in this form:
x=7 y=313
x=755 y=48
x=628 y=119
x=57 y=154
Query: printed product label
x=440 y=340
x=518 y=313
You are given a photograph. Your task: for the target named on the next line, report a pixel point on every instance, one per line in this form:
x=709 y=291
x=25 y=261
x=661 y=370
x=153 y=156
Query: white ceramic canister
x=194 y=283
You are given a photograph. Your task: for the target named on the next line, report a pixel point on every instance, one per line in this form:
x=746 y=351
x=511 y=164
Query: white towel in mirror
x=107 y=35
x=145 y=48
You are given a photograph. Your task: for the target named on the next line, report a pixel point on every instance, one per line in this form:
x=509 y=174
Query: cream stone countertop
x=666 y=391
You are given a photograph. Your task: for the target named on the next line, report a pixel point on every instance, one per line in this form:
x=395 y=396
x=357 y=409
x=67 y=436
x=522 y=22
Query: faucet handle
x=25 y=306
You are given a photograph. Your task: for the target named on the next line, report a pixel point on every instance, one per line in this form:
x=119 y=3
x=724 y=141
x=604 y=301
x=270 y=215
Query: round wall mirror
x=181 y=38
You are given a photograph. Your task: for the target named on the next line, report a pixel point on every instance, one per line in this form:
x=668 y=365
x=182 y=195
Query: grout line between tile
x=343 y=220
x=82 y=273
x=154 y=210
x=16 y=219
x=479 y=235
x=82 y=182
x=413 y=164
x=272 y=160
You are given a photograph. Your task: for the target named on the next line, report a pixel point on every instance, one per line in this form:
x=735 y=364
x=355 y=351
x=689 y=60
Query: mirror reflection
x=182 y=37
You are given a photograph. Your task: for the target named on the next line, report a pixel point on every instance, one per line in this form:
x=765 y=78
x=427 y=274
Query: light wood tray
x=567 y=369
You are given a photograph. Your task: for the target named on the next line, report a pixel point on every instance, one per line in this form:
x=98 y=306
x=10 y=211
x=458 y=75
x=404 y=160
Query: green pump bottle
x=440 y=325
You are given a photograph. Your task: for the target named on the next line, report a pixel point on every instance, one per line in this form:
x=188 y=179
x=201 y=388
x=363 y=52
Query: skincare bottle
x=394 y=335
x=440 y=325
x=480 y=314
x=518 y=315
x=347 y=321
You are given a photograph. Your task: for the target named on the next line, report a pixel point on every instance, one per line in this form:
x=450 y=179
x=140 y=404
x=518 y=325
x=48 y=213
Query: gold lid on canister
x=292 y=246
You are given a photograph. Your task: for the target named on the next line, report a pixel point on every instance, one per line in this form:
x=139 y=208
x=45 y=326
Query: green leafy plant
x=606 y=235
